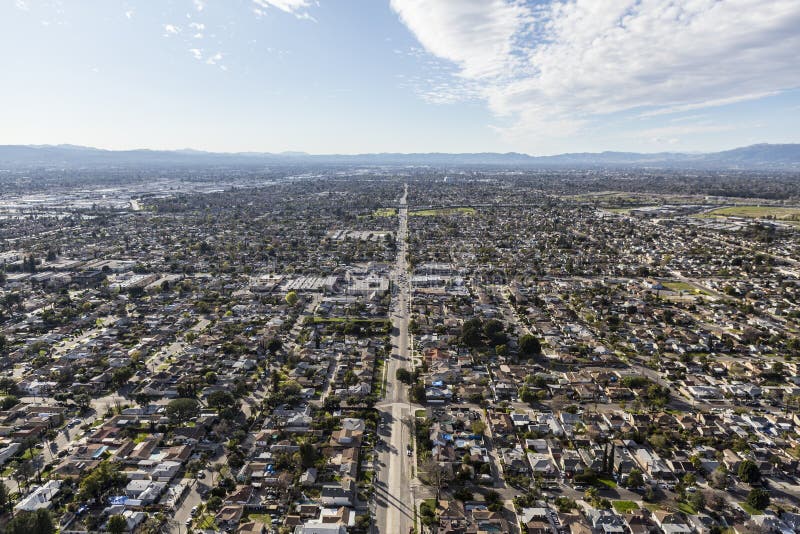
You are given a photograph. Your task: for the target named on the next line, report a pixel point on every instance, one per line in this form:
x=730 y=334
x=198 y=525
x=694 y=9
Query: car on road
x=193 y=512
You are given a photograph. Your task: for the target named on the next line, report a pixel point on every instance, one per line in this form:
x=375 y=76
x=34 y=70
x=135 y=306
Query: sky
x=358 y=76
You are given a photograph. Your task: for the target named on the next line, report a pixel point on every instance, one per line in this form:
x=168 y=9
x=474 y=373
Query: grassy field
x=625 y=507
x=759 y=212
x=685 y=287
x=679 y=286
x=442 y=211
x=385 y=212
x=607 y=482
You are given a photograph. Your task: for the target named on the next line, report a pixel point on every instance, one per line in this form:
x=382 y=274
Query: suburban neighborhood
x=400 y=352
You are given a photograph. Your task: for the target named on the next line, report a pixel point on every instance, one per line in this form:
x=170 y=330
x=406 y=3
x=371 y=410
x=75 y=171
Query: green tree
x=472 y=332
x=758 y=498
x=493 y=330
x=274 y=345
x=8 y=401
x=719 y=477
x=121 y=376
x=117 y=524
x=8 y=386
x=5 y=498
x=291 y=298
x=38 y=522
x=748 y=472
x=417 y=392
x=99 y=480
x=308 y=455
x=83 y=401
x=404 y=375
x=214 y=503
x=478 y=427
x=634 y=479
x=222 y=400
x=697 y=500
x=363 y=522
x=182 y=410
x=529 y=346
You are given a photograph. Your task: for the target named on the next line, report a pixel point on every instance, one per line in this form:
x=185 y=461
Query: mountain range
x=754 y=157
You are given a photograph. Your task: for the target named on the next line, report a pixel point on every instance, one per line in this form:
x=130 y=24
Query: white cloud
x=129 y=14
x=213 y=60
x=708 y=104
x=199 y=5
x=171 y=29
x=551 y=69
x=22 y=4
x=197 y=53
x=198 y=27
x=298 y=8
x=475 y=34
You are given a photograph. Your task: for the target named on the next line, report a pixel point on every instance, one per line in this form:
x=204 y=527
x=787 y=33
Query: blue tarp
x=119 y=499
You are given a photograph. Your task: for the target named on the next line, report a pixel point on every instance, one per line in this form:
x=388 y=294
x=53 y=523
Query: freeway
x=393 y=498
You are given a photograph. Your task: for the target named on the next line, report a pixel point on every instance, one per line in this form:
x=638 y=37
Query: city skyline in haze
x=401 y=75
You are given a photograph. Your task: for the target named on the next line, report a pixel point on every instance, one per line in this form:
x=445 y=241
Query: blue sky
x=350 y=76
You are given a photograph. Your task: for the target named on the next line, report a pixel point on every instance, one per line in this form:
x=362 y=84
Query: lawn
x=781 y=213
x=749 y=509
x=607 y=482
x=679 y=286
x=421 y=414
x=385 y=212
x=442 y=211
x=31 y=453
x=625 y=507
x=686 y=508
x=262 y=518
x=206 y=521
x=379 y=378
x=685 y=287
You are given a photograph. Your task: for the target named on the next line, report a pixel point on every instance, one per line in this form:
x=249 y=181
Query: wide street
x=394 y=503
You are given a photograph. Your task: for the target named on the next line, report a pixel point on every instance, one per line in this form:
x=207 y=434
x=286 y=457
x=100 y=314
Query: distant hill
x=762 y=156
